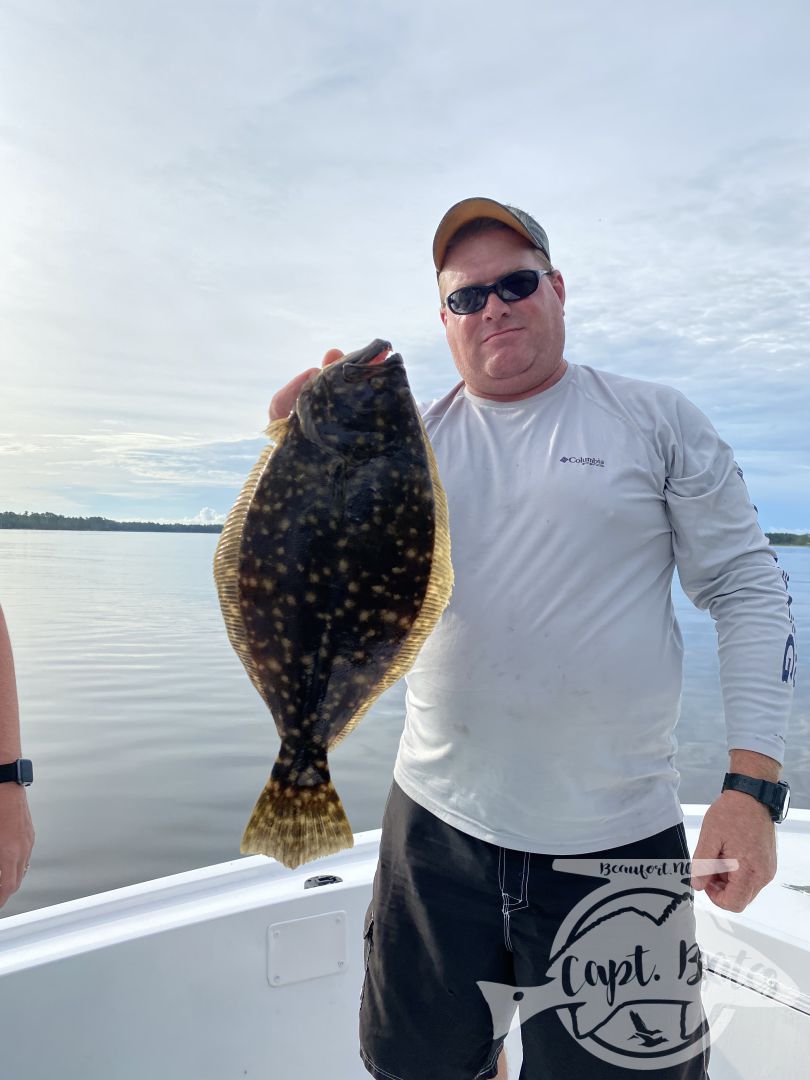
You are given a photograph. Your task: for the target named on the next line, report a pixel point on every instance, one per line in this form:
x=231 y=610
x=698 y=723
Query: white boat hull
x=237 y=970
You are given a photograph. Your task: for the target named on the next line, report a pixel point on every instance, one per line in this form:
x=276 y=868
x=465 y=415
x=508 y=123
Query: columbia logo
x=584 y=461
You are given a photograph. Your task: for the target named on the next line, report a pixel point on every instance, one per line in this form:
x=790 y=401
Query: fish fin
x=226 y=556
x=437 y=597
x=277 y=429
x=296 y=824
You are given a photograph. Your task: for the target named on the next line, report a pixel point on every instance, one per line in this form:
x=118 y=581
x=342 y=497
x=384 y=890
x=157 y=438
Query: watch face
x=786 y=803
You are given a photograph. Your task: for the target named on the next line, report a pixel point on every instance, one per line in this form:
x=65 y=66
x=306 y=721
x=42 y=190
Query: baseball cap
x=470 y=209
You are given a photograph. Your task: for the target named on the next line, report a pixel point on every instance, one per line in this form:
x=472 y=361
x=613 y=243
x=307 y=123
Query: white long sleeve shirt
x=540 y=713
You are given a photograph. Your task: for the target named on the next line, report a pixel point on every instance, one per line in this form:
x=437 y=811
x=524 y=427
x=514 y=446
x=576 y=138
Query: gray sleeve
x=725 y=565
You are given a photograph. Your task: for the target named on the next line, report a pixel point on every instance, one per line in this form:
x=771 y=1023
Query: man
x=540 y=712
x=16 y=829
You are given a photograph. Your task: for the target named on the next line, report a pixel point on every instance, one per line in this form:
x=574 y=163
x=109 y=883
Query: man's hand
x=284 y=401
x=736 y=826
x=16 y=838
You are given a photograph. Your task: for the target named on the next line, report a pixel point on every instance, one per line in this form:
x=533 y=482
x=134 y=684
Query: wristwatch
x=20 y=771
x=775 y=796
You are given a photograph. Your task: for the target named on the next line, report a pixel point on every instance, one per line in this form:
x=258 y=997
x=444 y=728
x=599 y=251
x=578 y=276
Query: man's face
x=505 y=351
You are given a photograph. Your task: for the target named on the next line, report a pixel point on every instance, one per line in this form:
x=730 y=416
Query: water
x=150 y=744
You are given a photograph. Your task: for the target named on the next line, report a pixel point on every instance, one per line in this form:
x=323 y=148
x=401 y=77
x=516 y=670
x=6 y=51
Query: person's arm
x=9 y=708
x=726 y=566
x=16 y=829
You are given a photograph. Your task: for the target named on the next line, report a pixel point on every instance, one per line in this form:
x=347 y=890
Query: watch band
x=770 y=794
x=20 y=771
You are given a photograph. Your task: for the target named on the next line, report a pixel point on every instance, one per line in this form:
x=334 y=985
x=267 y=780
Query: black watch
x=775 y=796
x=20 y=771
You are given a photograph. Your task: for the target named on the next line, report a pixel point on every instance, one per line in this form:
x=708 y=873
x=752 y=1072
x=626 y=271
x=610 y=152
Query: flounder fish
x=332 y=568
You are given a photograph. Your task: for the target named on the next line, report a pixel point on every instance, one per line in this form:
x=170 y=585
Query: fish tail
x=295 y=824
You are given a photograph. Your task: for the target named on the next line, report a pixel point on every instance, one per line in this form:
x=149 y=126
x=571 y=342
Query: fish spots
x=353 y=587
x=314 y=578
x=310 y=596
x=343 y=565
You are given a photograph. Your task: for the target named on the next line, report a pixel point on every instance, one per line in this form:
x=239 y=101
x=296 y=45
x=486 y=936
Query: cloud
x=119 y=463
x=206 y=516
x=197 y=201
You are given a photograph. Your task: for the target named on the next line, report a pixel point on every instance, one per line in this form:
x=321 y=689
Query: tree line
x=29 y=520
x=786 y=539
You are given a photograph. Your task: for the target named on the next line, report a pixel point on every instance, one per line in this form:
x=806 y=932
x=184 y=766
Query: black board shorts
x=450 y=911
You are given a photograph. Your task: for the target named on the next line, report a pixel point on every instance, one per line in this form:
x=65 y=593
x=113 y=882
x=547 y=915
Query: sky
x=198 y=199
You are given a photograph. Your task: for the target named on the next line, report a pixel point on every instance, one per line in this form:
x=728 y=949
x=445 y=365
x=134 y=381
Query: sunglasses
x=515 y=286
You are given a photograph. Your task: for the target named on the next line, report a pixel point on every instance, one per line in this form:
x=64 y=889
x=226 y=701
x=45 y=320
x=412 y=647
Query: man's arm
x=750 y=763
x=9 y=708
x=16 y=829
x=727 y=567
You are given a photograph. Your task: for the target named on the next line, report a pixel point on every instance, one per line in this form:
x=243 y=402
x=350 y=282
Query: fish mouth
x=370 y=361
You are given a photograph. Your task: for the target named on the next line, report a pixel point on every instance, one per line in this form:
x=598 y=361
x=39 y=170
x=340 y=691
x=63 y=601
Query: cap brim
x=468 y=210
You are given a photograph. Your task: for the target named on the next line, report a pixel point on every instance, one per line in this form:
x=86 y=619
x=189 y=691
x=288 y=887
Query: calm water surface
x=150 y=744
